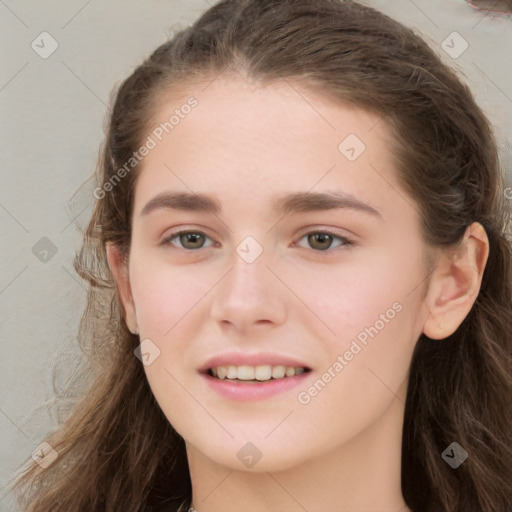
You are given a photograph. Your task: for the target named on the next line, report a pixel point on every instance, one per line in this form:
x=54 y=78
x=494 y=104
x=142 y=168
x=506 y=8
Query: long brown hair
x=117 y=451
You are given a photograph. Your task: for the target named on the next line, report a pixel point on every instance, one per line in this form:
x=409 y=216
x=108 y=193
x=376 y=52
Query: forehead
x=229 y=102
x=272 y=137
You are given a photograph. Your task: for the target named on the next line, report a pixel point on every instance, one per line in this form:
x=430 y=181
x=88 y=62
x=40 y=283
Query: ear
x=455 y=283
x=119 y=269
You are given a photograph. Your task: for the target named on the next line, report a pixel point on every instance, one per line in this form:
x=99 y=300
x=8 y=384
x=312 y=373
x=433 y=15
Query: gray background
x=53 y=113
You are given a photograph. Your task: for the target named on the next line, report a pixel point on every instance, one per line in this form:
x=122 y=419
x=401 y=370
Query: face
x=330 y=281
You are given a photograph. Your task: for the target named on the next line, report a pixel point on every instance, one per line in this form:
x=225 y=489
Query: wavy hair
x=446 y=159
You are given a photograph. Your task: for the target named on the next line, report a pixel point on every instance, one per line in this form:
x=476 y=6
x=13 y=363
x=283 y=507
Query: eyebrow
x=297 y=202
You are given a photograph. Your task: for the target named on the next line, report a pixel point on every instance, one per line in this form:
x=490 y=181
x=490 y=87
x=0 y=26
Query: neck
x=361 y=475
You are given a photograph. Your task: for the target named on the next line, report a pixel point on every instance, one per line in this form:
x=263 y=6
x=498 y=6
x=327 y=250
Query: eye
x=190 y=240
x=322 y=240
x=193 y=240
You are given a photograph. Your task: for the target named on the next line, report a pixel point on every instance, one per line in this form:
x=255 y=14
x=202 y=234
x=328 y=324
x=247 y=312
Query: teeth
x=263 y=372
x=290 y=372
x=245 y=372
x=259 y=373
x=278 y=372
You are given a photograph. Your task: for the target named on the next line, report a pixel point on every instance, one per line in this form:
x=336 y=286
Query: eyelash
x=346 y=241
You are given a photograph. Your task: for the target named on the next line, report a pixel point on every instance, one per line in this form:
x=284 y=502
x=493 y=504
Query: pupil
x=191 y=237
x=323 y=238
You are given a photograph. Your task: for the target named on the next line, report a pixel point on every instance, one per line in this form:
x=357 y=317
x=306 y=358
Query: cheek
x=165 y=295
x=346 y=297
x=365 y=313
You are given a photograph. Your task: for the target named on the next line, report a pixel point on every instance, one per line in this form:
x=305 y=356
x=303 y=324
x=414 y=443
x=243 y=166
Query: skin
x=245 y=145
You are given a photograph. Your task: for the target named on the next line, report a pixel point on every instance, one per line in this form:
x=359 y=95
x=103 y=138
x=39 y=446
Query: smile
x=260 y=373
x=249 y=389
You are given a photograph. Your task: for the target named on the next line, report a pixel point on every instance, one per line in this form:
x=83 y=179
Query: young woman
x=300 y=279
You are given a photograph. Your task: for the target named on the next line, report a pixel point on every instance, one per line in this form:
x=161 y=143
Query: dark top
x=169 y=505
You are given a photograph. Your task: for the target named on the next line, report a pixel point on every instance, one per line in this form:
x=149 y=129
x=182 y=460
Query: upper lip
x=256 y=359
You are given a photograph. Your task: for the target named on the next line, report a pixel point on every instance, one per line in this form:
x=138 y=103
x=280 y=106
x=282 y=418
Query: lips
x=237 y=390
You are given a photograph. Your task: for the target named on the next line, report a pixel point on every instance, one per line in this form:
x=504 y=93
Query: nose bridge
x=248 y=293
x=249 y=265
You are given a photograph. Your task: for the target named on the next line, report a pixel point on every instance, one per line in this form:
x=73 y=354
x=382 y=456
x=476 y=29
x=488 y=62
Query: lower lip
x=251 y=391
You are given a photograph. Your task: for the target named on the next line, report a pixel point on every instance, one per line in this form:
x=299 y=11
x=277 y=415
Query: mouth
x=246 y=377
x=255 y=374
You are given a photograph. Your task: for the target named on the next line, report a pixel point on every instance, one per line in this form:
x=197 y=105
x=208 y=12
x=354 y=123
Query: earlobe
x=119 y=269
x=455 y=283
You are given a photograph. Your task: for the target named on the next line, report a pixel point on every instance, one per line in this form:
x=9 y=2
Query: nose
x=249 y=295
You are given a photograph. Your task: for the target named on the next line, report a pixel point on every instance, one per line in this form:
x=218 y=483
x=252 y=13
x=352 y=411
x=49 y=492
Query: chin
x=239 y=454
